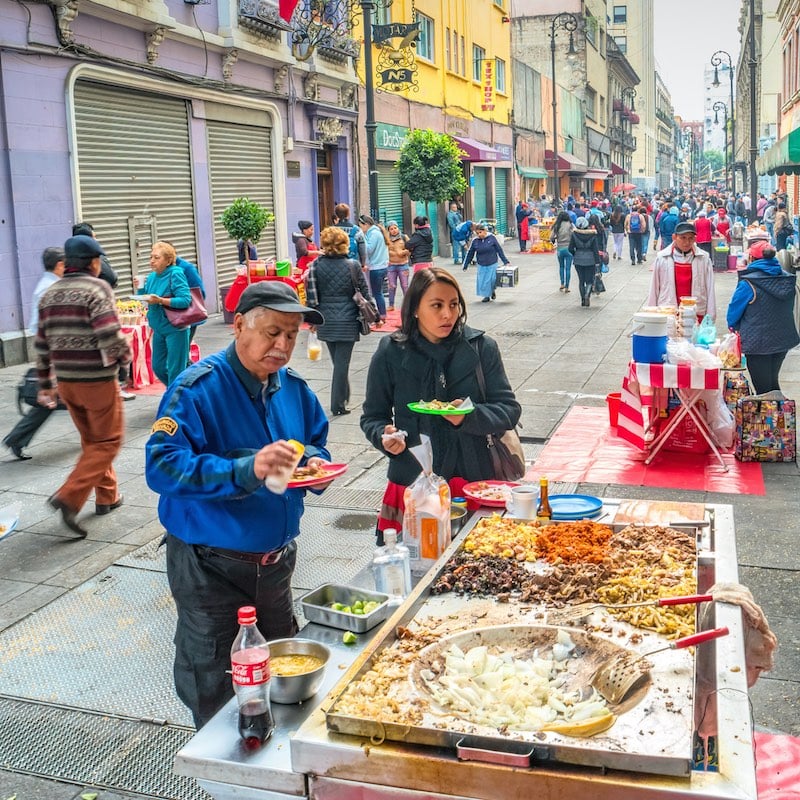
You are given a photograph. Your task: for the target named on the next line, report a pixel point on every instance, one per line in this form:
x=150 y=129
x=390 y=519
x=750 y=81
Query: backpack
x=353 y=251
x=635 y=224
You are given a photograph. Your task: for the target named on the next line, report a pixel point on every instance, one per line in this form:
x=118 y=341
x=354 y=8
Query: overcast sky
x=687 y=33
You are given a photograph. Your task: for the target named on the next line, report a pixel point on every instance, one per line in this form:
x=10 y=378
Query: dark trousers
x=635 y=242
x=585 y=280
x=340 y=382
x=22 y=433
x=764 y=371
x=208 y=590
x=781 y=237
x=707 y=247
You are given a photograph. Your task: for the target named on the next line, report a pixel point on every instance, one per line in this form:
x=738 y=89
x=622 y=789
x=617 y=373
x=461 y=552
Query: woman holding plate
x=435 y=356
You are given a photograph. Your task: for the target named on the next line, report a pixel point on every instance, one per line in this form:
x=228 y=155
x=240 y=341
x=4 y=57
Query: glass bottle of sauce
x=543 y=510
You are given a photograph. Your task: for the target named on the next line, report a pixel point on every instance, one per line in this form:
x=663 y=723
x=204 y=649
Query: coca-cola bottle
x=251 y=674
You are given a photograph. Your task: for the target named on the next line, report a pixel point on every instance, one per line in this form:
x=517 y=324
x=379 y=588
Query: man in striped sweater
x=79 y=343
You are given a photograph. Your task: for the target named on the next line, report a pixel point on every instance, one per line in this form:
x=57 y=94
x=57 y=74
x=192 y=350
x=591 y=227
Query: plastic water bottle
x=392 y=568
x=251 y=675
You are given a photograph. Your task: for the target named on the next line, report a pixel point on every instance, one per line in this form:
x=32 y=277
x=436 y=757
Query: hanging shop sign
x=390 y=137
x=396 y=68
x=488 y=85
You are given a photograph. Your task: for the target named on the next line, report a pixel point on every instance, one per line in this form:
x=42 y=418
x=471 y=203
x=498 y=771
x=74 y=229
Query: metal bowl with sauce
x=288 y=689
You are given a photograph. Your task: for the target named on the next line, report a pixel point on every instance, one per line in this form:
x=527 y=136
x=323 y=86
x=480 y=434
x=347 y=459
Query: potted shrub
x=245 y=220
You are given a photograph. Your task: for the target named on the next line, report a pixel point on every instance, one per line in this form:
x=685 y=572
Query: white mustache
x=277 y=355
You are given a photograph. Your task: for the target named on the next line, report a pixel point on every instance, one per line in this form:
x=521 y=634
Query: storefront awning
x=478 y=151
x=597 y=174
x=537 y=173
x=783 y=158
x=616 y=169
x=566 y=163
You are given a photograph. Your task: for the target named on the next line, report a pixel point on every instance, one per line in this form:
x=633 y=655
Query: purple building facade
x=147 y=120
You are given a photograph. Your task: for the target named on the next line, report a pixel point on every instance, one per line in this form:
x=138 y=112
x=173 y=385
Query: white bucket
x=647 y=323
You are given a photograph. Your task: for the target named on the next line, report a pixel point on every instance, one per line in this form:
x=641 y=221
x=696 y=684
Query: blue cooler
x=649 y=337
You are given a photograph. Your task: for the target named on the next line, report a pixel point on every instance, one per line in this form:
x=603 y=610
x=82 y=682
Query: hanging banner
x=488 y=85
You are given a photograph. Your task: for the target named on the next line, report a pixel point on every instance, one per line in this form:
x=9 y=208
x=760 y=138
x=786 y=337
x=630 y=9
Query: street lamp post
x=568 y=22
x=688 y=138
x=628 y=91
x=752 y=63
x=717 y=107
x=716 y=61
x=370 y=125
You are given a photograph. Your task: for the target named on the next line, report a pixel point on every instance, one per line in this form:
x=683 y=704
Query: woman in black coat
x=586 y=257
x=330 y=285
x=435 y=356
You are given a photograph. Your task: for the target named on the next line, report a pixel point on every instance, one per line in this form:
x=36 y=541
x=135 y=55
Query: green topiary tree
x=245 y=219
x=430 y=167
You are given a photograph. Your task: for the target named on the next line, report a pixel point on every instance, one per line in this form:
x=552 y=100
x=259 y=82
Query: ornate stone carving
x=311 y=86
x=347 y=95
x=154 y=39
x=280 y=78
x=228 y=60
x=262 y=17
x=65 y=12
x=329 y=130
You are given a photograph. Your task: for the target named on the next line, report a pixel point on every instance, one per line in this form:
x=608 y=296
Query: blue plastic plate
x=8 y=522
x=575 y=506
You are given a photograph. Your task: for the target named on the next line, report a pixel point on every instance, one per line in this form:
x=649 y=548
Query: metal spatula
x=618 y=675
x=564 y=615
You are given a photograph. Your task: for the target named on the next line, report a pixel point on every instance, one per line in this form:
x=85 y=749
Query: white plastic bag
x=719 y=418
x=426 y=519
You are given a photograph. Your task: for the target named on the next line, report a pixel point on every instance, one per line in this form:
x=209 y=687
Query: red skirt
x=392 y=506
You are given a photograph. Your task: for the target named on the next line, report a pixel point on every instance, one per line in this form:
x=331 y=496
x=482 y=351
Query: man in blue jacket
x=223 y=427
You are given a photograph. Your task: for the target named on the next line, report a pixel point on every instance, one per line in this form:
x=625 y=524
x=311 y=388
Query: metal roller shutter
x=479 y=210
x=240 y=165
x=390 y=198
x=501 y=200
x=135 y=174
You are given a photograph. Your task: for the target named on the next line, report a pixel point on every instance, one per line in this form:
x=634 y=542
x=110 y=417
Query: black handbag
x=505 y=450
x=367 y=310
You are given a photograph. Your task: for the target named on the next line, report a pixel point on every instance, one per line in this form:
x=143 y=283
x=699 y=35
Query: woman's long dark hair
x=420 y=283
x=562 y=217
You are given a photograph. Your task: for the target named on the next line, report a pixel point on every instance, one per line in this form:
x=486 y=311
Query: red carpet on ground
x=585 y=449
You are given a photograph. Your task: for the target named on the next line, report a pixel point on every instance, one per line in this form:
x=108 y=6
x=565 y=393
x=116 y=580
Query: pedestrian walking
x=586 y=253
x=705 y=229
x=377 y=260
x=783 y=227
x=23 y=432
x=398 y=261
x=222 y=429
x=522 y=214
x=80 y=346
x=486 y=250
x=420 y=244
x=617 y=225
x=561 y=237
x=454 y=219
x=635 y=225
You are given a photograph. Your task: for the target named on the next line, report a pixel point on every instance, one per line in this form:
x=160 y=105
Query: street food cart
x=326 y=751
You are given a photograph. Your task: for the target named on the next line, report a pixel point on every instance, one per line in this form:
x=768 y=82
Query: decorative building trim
x=279 y=78
x=228 y=61
x=347 y=95
x=154 y=39
x=262 y=17
x=65 y=12
x=311 y=86
x=329 y=129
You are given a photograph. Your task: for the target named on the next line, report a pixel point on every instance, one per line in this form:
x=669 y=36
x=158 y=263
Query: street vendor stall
x=256 y=271
x=387 y=729
x=540 y=236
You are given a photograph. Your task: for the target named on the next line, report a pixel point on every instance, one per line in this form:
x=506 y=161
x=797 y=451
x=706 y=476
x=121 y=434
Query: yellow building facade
x=461 y=85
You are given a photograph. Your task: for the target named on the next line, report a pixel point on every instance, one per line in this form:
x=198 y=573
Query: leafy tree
x=245 y=219
x=430 y=167
x=714 y=159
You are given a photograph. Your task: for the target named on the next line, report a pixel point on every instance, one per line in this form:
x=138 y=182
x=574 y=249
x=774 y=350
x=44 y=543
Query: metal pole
x=727 y=172
x=733 y=135
x=556 y=188
x=753 y=126
x=370 y=125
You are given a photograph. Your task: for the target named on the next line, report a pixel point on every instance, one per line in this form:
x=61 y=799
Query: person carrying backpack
x=358 y=244
x=635 y=226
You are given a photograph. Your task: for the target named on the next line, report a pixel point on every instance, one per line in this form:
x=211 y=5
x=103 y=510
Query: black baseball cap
x=685 y=227
x=277 y=296
x=82 y=247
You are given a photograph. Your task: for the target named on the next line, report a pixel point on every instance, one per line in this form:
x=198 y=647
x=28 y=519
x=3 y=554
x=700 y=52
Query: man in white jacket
x=684 y=270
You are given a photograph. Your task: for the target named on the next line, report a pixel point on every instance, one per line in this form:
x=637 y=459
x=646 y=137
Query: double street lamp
x=723 y=58
x=717 y=107
x=688 y=141
x=567 y=22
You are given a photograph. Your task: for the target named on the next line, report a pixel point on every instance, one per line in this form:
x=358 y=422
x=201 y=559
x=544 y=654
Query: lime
x=348 y=637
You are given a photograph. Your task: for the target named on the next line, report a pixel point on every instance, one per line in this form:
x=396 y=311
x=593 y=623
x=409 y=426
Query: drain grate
x=347 y=497
x=97 y=750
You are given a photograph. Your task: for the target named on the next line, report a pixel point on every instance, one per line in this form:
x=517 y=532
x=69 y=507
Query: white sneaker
x=126 y=395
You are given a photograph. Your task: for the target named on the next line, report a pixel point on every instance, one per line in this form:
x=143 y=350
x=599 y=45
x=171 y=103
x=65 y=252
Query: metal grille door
x=390 y=198
x=133 y=160
x=240 y=165
x=501 y=200
x=480 y=210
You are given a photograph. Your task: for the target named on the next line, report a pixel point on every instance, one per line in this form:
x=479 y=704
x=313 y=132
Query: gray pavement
x=78 y=618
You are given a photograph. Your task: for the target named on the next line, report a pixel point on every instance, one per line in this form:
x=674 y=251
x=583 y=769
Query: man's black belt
x=263 y=559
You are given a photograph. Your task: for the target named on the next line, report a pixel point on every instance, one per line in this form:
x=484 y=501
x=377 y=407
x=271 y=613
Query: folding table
x=638 y=413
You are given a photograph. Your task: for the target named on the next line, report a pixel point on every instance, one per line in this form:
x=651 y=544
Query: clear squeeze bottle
x=251 y=674
x=277 y=482
x=392 y=568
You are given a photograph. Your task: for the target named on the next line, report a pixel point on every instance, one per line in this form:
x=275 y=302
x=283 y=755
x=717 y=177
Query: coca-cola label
x=251 y=673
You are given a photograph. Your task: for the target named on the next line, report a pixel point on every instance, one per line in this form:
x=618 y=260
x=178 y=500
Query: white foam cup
x=523 y=501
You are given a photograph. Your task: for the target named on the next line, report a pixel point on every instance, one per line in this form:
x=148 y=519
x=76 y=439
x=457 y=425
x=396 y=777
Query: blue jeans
x=458 y=253
x=564 y=265
x=771 y=231
x=376 y=277
x=398 y=272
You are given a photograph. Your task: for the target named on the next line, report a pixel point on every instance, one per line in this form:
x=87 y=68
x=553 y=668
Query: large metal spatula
x=618 y=675
x=562 y=615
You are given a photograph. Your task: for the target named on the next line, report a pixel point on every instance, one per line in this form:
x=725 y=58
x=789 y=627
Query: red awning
x=478 y=151
x=566 y=163
x=597 y=174
x=616 y=169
